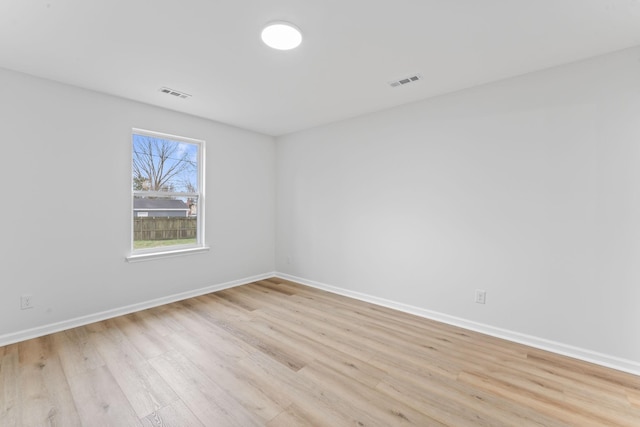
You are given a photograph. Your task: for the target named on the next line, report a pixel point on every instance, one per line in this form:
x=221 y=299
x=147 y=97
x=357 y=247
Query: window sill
x=166 y=254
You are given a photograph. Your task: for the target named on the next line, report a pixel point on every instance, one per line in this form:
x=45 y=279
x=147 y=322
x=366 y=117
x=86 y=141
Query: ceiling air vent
x=175 y=93
x=405 y=80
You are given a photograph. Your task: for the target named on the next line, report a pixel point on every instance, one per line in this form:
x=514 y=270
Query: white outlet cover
x=26 y=301
x=481 y=296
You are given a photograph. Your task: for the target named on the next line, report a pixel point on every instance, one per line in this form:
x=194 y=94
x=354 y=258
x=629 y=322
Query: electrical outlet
x=481 y=296
x=288 y=259
x=26 y=301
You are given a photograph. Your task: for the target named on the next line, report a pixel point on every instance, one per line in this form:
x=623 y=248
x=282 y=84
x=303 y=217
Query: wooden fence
x=170 y=228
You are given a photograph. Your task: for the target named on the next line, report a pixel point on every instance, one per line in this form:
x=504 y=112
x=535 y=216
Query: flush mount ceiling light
x=281 y=35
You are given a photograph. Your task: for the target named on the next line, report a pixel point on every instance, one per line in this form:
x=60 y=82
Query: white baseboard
x=108 y=314
x=606 y=360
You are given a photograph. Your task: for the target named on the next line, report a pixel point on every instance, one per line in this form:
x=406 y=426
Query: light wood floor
x=276 y=353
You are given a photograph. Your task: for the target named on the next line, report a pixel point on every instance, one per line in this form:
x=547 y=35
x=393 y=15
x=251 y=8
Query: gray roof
x=159 y=204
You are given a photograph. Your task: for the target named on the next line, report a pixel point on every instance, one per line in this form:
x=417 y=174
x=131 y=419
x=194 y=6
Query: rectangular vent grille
x=406 y=80
x=175 y=93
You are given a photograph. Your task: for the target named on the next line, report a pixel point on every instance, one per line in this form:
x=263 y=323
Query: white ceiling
x=351 y=49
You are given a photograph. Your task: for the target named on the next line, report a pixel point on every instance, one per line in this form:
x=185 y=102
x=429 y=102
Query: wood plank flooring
x=276 y=353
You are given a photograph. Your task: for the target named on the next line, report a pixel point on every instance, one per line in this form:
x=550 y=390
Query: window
x=167 y=176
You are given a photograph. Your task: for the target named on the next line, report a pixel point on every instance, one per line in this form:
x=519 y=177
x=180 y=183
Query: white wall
x=528 y=188
x=65 y=219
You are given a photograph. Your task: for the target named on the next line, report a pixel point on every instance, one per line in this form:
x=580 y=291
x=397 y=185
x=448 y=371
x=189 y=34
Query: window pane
x=166 y=175
x=164 y=165
x=164 y=221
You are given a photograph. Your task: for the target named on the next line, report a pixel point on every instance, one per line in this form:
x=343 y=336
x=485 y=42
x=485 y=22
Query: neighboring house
x=160 y=208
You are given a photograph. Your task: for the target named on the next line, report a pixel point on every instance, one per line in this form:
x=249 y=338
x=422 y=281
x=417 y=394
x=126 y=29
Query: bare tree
x=160 y=164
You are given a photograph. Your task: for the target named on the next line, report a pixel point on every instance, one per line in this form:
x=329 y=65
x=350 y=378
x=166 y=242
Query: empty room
x=320 y=213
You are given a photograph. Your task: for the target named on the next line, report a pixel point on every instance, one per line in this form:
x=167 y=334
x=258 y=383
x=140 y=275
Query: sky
x=149 y=148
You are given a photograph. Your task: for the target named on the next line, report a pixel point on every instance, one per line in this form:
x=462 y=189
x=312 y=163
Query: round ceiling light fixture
x=281 y=35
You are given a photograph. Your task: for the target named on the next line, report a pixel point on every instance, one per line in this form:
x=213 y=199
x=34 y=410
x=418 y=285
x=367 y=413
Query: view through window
x=167 y=176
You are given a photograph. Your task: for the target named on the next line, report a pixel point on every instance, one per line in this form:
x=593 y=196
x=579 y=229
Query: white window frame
x=173 y=250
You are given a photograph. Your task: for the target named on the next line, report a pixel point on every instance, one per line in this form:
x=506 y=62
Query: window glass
x=167 y=176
